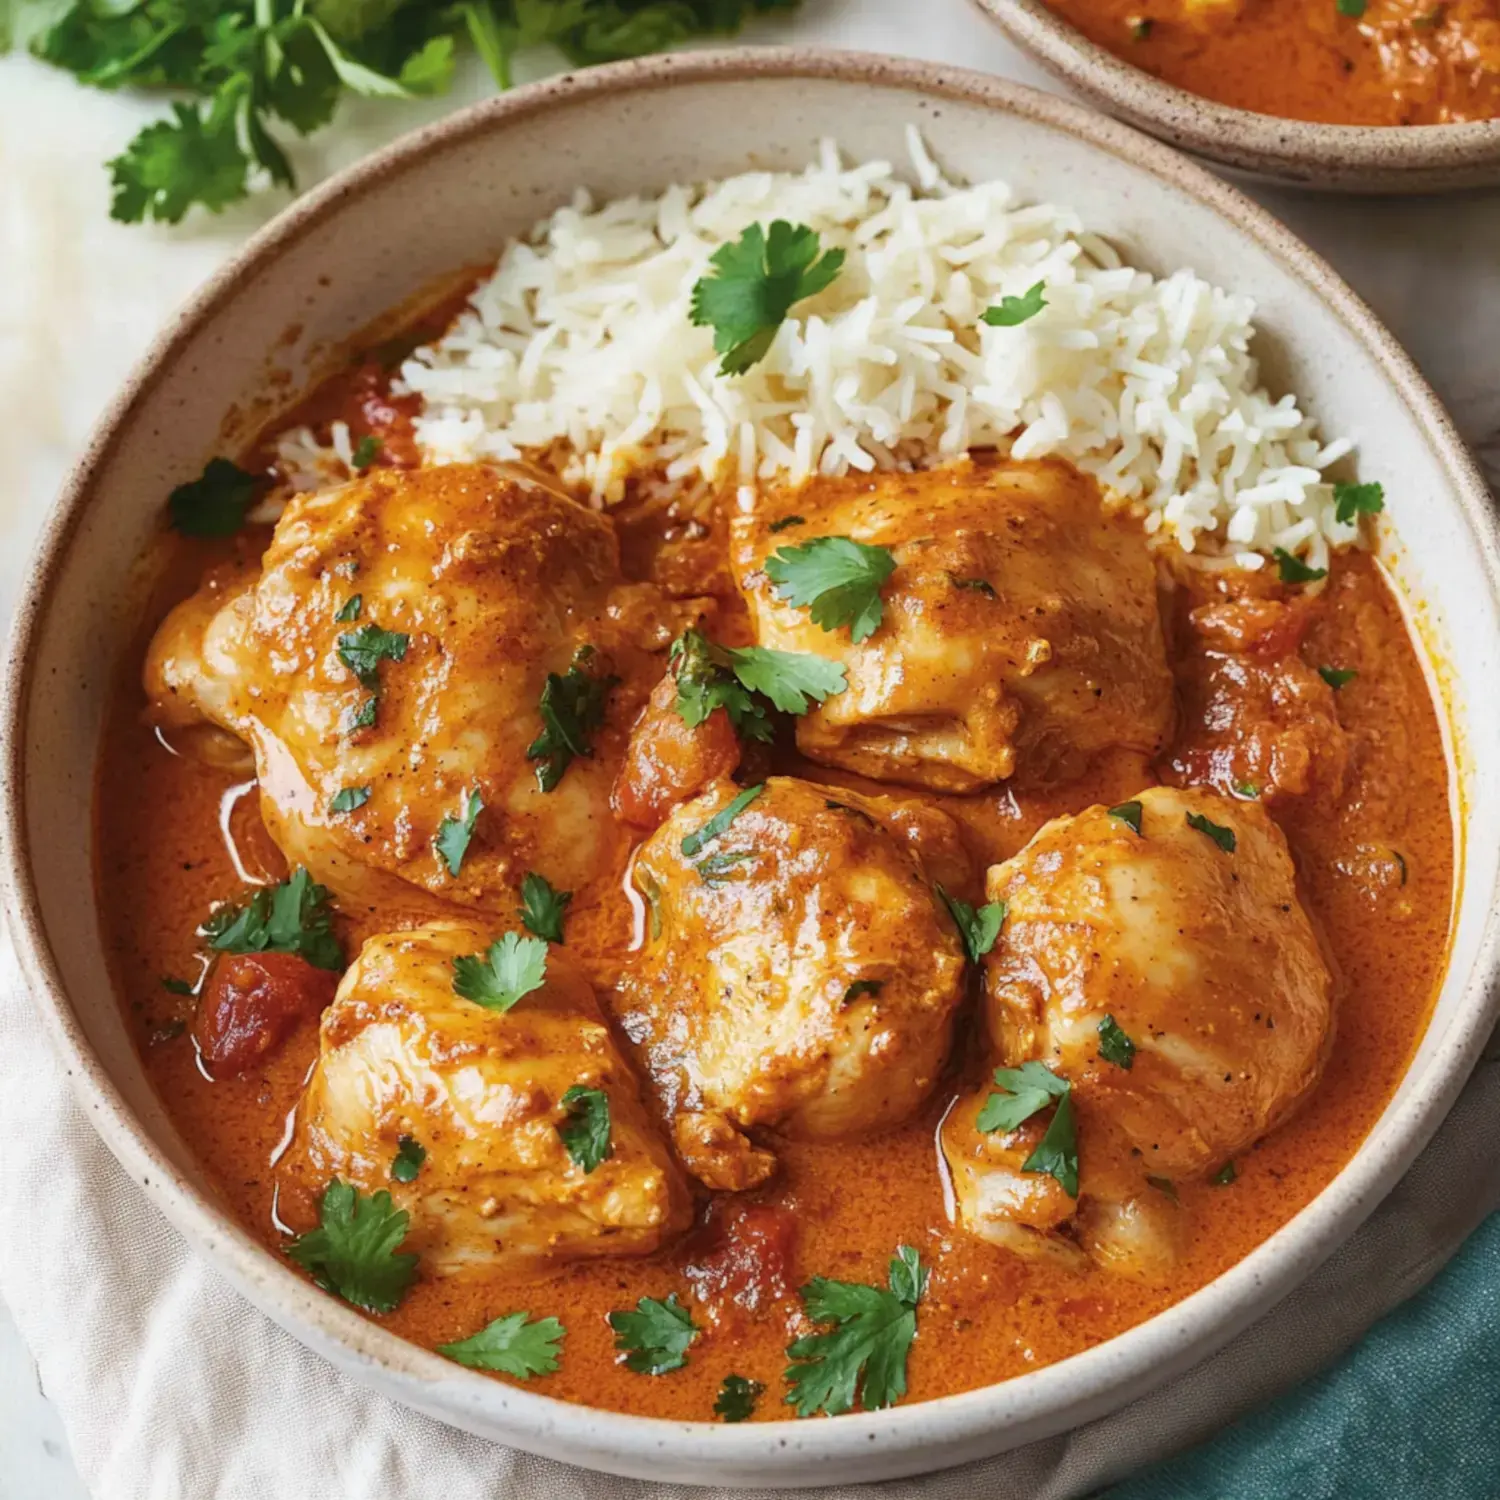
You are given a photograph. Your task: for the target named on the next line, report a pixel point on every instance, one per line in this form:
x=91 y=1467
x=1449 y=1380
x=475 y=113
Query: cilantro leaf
x=1350 y=501
x=1056 y=1154
x=721 y=820
x=349 y=799
x=292 y=917
x=213 y=504
x=1027 y=1091
x=864 y=1357
x=1013 y=311
x=737 y=678
x=366 y=451
x=1337 y=677
x=1165 y=1186
x=1129 y=813
x=1225 y=1175
x=511 y=1345
x=571 y=708
x=838 y=580
x=785 y=523
x=511 y=968
x=350 y=611
x=585 y=1129
x=654 y=1337
x=364 y=649
x=174 y=986
x=410 y=1154
x=978 y=929
x=737 y=1397
x=354 y=719
x=862 y=987
x=1352 y=8
x=542 y=907
x=1114 y=1046
x=1294 y=570
x=1223 y=837
x=754 y=283
x=453 y=835
x=171 y=165
x=353 y=1249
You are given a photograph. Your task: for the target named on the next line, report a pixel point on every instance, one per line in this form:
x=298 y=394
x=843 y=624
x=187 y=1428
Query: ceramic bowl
x=450 y=196
x=1341 y=158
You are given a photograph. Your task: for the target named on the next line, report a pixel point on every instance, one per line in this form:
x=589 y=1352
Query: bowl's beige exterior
x=450 y=195
x=1341 y=158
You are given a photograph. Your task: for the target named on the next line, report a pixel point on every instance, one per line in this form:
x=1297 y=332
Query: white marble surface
x=80 y=298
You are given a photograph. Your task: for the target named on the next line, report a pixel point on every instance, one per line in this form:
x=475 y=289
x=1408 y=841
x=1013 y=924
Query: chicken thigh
x=799 y=972
x=424 y=666
x=1172 y=979
x=1020 y=631
x=488 y=1095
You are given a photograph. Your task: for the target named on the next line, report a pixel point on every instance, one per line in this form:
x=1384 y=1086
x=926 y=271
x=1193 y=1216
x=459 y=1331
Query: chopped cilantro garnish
x=366 y=451
x=862 y=987
x=721 y=820
x=364 y=649
x=542 y=907
x=1129 y=813
x=1027 y=1091
x=571 y=708
x=737 y=1397
x=1337 y=677
x=410 y=1154
x=714 y=869
x=785 y=523
x=1350 y=501
x=1223 y=837
x=978 y=929
x=739 y=678
x=654 y=1338
x=350 y=611
x=863 y=1357
x=753 y=285
x=215 y=503
x=973 y=585
x=1294 y=570
x=585 y=1126
x=1114 y=1046
x=1353 y=8
x=511 y=1345
x=1164 y=1185
x=291 y=917
x=349 y=799
x=454 y=833
x=512 y=967
x=1246 y=789
x=177 y=986
x=1225 y=1175
x=353 y=1251
x=1012 y=311
x=362 y=717
x=837 y=580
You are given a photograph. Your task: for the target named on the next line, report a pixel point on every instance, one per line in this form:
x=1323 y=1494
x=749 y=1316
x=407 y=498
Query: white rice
x=580 y=344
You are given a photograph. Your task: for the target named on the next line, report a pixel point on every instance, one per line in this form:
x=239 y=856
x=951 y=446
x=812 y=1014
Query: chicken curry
x=657 y=954
x=1336 y=62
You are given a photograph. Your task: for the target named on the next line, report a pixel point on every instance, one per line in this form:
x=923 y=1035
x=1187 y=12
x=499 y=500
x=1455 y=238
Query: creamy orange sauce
x=1377 y=873
x=1399 y=62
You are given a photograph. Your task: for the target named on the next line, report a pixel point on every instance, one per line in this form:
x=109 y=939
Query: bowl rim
x=1041 y=1402
x=1243 y=137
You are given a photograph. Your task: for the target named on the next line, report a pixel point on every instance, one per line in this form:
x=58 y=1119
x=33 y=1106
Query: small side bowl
x=1393 y=159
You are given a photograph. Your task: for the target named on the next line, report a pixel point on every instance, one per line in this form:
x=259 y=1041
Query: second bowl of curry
x=1388 y=96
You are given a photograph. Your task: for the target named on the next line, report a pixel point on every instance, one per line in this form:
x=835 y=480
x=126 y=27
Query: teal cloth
x=1410 y=1412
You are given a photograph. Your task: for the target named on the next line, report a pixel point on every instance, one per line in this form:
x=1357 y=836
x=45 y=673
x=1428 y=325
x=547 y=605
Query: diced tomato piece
x=746 y=1261
x=669 y=761
x=253 y=1002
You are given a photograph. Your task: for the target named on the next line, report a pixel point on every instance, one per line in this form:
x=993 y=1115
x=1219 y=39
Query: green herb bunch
x=247 y=71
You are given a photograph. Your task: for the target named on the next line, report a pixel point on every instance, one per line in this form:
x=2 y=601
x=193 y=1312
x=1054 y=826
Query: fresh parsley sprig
x=543 y=907
x=292 y=917
x=1024 y=1092
x=753 y=285
x=571 y=709
x=654 y=1338
x=863 y=1357
x=247 y=72
x=585 y=1129
x=978 y=929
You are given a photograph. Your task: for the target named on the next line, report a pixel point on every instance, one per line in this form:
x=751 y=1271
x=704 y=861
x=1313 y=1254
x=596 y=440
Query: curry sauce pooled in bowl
x=813 y=798
x=1335 y=62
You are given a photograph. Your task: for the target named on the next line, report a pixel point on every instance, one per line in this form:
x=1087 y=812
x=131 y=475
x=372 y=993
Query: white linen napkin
x=171 y=1387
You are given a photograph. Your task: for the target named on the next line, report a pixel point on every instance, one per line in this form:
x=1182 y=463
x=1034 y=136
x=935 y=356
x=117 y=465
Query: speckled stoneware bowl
x=1340 y=158
x=451 y=195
